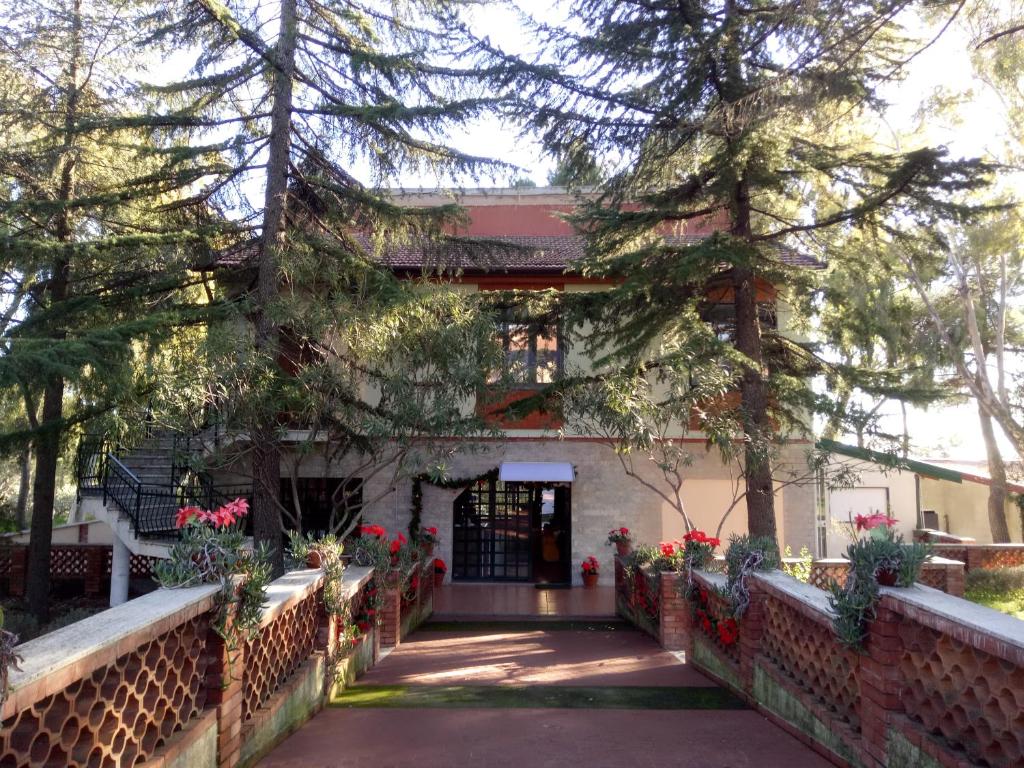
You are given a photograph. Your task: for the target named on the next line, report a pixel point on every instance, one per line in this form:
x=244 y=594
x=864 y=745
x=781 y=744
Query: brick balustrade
x=151 y=681
x=941 y=573
x=975 y=556
x=940 y=681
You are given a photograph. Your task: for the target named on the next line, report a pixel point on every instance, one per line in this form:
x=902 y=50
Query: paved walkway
x=502 y=601
x=541 y=695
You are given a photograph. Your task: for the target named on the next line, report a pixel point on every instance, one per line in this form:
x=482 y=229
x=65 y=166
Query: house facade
x=539 y=500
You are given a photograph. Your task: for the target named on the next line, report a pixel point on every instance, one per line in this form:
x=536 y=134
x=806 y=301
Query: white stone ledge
x=812 y=598
x=52 y=662
x=938 y=610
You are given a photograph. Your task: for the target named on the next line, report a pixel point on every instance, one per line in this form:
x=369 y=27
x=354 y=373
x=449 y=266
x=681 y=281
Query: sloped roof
x=499 y=253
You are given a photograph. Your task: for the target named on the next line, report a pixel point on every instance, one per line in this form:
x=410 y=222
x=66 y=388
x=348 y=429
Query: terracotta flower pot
x=314 y=560
x=438 y=578
x=589 y=580
x=886 y=578
x=623 y=548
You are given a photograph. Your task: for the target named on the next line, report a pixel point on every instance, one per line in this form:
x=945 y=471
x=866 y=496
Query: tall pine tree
x=314 y=95
x=733 y=111
x=94 y=239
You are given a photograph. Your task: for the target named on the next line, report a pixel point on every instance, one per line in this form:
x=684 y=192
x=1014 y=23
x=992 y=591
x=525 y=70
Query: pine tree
x=93 y=253
x=335 y=92
x=735 y=110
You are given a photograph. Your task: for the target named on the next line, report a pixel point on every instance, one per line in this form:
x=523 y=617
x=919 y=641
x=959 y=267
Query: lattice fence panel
x=808 y=653
x=119 y=715
x=69 y=562
x=822 y=574
x=279 y=648
x=971 y=699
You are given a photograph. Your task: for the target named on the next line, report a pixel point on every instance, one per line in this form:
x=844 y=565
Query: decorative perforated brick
x=279 y=648
x=807 y=652
x=971 y=699
x=119 y=715
x=68 y=562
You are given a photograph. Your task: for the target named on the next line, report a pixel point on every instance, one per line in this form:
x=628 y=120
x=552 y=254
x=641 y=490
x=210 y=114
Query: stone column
x=120 y=572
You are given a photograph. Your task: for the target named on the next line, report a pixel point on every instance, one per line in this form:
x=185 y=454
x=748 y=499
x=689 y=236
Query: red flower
x=870 y=522
x=395 y=546
x=373 y=530
x=624 y=531
x=705 y=624
x=728 y=631
x=590 y=565
x=432 y=531
x=667 y=548
x=185 y=514
x=439 y=566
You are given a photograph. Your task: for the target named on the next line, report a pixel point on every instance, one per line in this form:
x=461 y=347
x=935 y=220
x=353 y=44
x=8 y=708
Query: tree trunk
x=997 y=471
x=47 y=447
x=266 y=455
x=24 y=482
x=753 y=395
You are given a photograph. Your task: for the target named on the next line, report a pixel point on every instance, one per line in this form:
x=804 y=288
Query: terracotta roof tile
x=505 y=253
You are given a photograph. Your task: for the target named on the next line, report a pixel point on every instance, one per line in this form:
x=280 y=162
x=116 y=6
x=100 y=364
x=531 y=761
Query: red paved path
x=559 y=738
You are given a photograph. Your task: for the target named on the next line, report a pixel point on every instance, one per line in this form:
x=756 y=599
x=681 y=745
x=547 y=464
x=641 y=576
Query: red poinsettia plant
x=619 y=536
x=694 y=550
x=439 y=566
x=590 y=566
x=429 y=535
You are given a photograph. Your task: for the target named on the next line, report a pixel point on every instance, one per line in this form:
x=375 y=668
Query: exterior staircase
x=138 y=493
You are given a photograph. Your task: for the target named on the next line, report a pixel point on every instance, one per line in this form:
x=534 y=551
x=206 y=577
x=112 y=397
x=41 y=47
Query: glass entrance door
x=510 y=531
x=492 y=532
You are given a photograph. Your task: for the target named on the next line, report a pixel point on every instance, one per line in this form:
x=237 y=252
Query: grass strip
x=612 y=625
x=534 y=697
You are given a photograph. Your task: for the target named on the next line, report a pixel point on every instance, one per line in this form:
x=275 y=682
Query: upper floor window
x=533 y=351
x=722 y=317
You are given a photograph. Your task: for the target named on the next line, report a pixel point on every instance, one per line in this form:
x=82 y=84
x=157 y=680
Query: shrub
x=854 y=603
x=800 y=570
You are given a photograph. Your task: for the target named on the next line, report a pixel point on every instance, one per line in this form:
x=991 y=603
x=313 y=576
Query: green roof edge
x=891 y=461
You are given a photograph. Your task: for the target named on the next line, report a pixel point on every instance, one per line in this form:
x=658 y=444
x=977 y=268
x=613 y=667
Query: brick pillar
x=676 y=618
x=751 y=631
x=391 y=616
x=975 y=558
x=879 y=679
x=95 y=560
x=19 y=566
x=955 y=580
x=224 y=691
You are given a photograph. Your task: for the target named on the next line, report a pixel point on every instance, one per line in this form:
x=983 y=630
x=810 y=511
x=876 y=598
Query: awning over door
x=536 y=472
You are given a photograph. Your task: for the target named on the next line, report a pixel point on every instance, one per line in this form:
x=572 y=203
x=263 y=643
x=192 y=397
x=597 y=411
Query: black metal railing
x=151 y=507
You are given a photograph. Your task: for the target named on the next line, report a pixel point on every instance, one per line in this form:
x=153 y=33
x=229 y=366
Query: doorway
x=512 y=531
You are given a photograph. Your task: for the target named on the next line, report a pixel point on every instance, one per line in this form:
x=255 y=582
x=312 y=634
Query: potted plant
x=591 y=569
x=428 y=538
x=875 y=561
x=622 y=539
x=440 y=569
x=315 y=552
